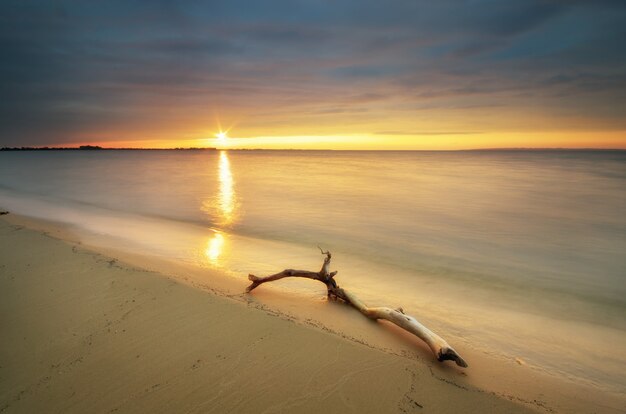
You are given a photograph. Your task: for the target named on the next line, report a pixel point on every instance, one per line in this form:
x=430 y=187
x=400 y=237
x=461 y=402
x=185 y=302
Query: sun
x=221 y=136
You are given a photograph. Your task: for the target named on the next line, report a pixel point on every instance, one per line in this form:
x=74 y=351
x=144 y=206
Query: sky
x=341 y=74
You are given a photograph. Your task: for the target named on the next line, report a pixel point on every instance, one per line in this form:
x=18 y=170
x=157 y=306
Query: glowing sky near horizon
x=358 y=74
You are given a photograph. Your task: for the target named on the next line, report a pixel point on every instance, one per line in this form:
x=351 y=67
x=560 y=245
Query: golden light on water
x=226 y=199
x=223 y=208
x=215 y=247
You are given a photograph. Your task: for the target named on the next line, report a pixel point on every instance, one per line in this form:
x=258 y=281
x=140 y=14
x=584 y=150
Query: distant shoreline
x=98 y=148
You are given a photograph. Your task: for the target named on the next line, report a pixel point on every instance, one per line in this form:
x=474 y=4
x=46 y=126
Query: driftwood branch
x=438 y=345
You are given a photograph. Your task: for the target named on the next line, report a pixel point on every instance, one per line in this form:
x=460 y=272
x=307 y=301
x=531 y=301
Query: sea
x=518 y=253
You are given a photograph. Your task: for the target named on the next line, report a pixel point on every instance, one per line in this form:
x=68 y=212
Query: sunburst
x=221 y=137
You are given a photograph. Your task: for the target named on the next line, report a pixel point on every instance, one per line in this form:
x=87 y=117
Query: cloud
x=73 y=69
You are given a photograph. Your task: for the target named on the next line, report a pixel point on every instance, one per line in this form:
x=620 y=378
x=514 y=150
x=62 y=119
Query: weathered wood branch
x=438 y=345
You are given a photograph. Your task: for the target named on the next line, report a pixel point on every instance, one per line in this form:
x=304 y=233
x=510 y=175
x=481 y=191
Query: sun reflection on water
x=223 y=208
x=214 y=247
x=226 y=199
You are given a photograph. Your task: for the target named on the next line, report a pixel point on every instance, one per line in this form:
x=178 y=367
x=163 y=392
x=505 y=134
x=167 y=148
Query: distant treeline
x=97 y=148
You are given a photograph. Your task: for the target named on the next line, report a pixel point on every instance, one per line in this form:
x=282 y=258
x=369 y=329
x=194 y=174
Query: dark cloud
x=71 y=67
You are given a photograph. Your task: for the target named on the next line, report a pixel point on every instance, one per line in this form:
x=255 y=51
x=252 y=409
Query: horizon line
x=99 y=148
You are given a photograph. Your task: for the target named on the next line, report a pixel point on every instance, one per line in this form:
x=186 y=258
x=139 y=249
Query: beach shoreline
x=416 y=382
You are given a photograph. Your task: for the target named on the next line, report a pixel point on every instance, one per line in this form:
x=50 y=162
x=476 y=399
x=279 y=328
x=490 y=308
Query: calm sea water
x=520 y=251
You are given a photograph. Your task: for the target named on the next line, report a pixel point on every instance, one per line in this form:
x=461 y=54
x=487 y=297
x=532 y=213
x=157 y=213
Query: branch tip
x=449 y=354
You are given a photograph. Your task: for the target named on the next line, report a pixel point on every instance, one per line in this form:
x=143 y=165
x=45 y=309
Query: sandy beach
x=85 y=333
x=92 y=331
